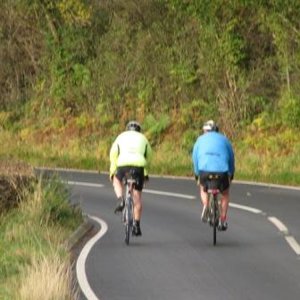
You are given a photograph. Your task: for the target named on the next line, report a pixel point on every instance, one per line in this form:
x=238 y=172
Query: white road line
x=281 y=227
x=80 y=265
x=269 y=185
x=242 y=207
x=293 y=243
x=85 y=184
x=247 y=208
x=169 y=194
x=290 y=239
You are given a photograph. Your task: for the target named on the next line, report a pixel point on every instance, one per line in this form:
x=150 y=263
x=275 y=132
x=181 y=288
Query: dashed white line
x=281 y=227
x=85 y=184
x=80 y=265
x=169 y=194
x=247 y=208
x=294 y=244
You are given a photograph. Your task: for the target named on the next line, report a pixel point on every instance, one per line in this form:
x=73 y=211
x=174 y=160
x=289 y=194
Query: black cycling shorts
x=136 y=173
x=215 y=180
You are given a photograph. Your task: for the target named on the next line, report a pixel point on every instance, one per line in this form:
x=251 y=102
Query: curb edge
x=79 y=233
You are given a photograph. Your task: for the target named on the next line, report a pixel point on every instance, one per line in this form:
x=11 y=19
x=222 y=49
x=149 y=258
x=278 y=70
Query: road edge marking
x=81 y=260
x=255 y=183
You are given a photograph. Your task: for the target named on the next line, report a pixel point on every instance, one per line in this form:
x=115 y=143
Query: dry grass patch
x=54 y=278
x=14 y=178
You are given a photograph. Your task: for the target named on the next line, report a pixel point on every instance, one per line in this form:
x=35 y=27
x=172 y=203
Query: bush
x=55 y=209
x=155 y=127
x=291 y=111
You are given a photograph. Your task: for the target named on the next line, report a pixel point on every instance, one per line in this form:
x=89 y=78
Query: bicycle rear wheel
x=127 y=234
x=128 y=220
x=127 y=226
x=215 y=219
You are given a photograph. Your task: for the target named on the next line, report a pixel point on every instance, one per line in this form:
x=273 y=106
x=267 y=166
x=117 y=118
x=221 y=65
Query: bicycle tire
x=128 y=220
x=215 y=218
x=127 y=234
x=127 y=225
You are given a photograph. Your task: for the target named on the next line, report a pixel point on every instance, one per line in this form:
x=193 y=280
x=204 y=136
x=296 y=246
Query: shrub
x=291 y=111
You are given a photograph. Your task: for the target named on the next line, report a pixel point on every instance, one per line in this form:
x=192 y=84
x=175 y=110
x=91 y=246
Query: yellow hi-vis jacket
x=131 y=148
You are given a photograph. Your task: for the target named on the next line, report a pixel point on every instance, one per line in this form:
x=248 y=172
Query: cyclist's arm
x=148 y=156
x=113 y=156
x=231 y=161
x=195 y=159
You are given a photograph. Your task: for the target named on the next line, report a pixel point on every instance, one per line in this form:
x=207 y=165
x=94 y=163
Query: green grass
x=260 y=156
x=34 y=234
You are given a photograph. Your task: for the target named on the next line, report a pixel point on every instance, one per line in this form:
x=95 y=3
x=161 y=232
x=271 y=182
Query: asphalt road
x=257 y=258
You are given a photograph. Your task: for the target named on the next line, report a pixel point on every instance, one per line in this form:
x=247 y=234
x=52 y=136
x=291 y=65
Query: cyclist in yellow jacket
x=130 y=152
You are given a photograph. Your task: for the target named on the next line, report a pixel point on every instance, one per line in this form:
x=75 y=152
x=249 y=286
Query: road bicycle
x=214 y=204
x=128 y=211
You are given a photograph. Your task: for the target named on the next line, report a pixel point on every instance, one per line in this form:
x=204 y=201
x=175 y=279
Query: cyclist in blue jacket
x=213 y=153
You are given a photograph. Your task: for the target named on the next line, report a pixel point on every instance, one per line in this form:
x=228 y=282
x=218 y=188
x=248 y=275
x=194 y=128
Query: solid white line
x=293 y=243
x=247 y=208
x=85 y=184
x=281 y=227
x=80 y=265
x=169 y=194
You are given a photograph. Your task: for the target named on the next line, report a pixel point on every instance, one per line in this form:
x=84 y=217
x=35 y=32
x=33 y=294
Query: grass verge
x=34 y=264
x=260 y=156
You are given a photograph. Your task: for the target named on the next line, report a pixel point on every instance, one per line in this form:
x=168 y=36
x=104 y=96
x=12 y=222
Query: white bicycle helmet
x=210 y=126
x=134 y=125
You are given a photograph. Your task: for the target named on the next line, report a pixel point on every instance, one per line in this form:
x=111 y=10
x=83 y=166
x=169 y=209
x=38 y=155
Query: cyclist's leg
x=138 y=175
x=205 y=209
x=118 y=188
x=137 y=212
x=137 y=199
x=224 y=188
x=223 y=225
x=138 y=207
x=203 y=195
x=224 y=204
x=203 y=188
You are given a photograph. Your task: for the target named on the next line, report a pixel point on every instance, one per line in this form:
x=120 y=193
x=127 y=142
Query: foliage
x=291 y=110
x=55 y=207
x=78 y=68
x=160 y=54
x=154 y=128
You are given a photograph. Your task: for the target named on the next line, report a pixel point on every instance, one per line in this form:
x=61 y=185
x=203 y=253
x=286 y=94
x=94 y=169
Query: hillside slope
x=73 y=72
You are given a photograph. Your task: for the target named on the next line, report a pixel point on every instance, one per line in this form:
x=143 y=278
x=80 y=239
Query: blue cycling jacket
x=213 y=152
